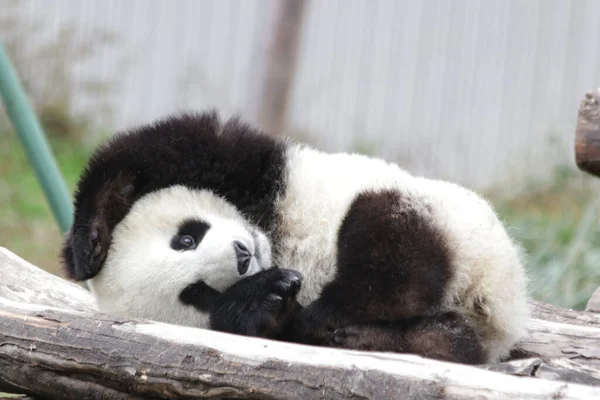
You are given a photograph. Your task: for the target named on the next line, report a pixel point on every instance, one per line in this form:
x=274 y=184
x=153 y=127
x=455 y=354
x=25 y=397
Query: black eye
x=187 y=241
x=189 y=235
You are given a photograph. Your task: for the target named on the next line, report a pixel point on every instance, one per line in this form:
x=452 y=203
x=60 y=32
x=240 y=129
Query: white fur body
x=143 y=276
x=489 y=282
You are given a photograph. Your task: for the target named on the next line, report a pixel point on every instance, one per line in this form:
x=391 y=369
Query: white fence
x=459 y=89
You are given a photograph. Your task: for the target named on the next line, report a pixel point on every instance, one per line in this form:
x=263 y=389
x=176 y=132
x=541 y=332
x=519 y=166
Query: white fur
x=143 y=276
x=488 y=273
x=489 y=283
x=320 y=189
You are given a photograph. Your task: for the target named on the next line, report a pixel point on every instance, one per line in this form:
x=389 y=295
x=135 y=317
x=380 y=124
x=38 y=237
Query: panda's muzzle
x=243 y=256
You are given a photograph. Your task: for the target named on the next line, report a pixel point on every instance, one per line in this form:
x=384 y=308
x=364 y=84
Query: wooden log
x=64 y=354
x=549 y=312
x=593 y=305
x=587 y=134
x=556 y=369
x=24 y=282
x=548 y=340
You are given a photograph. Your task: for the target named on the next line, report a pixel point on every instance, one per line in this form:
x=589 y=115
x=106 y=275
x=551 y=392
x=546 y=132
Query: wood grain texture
x=68 y=354
x=22 y=281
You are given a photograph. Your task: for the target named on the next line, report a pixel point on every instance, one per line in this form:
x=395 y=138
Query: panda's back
x=320 y=188
x=488 y=280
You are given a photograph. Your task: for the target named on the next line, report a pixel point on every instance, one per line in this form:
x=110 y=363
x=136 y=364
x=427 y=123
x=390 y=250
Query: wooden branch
x=550 y=340
x=587 y=134
x=68 y=354
x=556 y=369
x=549 y=312
x=556 y=332
x=593 y=304
x=24 y=282
x=44 y=347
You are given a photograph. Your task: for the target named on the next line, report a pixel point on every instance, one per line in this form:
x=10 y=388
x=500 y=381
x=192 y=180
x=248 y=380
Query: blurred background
x=483 y=93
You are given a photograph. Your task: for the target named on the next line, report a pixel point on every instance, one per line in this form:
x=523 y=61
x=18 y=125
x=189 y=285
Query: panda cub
x=388 y=261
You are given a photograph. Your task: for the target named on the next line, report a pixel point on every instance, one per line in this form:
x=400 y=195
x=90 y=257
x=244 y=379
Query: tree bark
x=561 y=369
x=61 y=348
x=24 y=282
x=587 y=134
x=69 y=354
x=593 y=304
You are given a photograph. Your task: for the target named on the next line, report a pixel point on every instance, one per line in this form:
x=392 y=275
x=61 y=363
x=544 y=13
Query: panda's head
x=175 y=248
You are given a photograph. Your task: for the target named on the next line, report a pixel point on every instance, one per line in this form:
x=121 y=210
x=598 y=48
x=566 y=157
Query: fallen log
x=70 y=354
x=52 y=341
x=561 y=369
x=24 y=282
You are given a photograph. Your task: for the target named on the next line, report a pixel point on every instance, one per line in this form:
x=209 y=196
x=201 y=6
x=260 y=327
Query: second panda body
x=385 y=256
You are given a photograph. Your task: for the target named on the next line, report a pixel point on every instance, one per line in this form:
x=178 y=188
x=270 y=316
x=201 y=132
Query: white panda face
x=171 y=239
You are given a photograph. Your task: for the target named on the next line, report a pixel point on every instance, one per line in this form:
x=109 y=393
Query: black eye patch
x=190 y=234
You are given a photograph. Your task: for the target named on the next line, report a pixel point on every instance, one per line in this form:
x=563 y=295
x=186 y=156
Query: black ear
x=97 y=211
x=84 y=250
x=66 y=256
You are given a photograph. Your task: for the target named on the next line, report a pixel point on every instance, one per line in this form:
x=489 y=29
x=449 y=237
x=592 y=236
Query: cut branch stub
x=593 y=304
x=587 y=135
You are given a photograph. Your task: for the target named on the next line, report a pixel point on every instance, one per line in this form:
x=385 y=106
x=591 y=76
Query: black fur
x=232 y=159
x=192 y=229
x=259 y=305
x=200 y=296
x=447 y=337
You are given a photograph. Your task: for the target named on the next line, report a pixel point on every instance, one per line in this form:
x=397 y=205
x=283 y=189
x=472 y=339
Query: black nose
x=243 y=256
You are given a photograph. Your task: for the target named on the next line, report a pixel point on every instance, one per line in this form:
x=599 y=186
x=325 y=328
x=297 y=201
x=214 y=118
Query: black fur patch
x=193 y=228
x=200 y=296
x=392 y=264
x=447 y=337
x=234 y=160
x=260 y=305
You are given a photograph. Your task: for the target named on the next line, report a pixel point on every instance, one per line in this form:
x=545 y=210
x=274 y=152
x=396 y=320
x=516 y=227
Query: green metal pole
x=34 y=141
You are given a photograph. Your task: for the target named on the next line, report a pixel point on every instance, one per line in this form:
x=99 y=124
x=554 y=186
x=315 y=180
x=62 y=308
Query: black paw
x=259 y=305
x=287 y=285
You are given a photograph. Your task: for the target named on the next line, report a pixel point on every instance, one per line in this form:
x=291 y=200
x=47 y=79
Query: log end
x=593 y=304
x=587 y=134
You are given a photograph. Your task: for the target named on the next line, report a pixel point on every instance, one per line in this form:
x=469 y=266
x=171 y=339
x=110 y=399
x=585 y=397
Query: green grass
x=27 y=226
x=557 y=223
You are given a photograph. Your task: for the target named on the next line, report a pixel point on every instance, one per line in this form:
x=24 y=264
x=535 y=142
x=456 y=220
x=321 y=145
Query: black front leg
x=259 y=305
